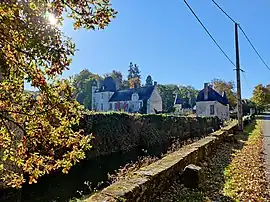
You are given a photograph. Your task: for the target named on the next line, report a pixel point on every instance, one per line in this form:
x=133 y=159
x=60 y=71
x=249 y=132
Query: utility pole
x=238 y=82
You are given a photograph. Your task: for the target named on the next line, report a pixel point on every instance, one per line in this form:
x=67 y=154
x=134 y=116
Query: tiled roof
x=212 y=96
x=125 y=95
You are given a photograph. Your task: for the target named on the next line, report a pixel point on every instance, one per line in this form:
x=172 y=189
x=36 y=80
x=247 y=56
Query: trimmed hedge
x=116 y=132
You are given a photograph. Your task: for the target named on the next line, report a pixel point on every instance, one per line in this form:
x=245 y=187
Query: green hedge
x=116 y=132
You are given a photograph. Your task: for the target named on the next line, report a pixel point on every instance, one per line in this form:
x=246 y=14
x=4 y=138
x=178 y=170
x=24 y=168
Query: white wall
x=133 y=106
x=220 y=110
x=155 y=102
x=102 y=98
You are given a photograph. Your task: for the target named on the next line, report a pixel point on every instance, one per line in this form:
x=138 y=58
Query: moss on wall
x=116 y=132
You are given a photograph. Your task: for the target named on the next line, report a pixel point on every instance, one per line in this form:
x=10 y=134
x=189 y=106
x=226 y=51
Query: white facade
x=101 y=102
x=212 y=109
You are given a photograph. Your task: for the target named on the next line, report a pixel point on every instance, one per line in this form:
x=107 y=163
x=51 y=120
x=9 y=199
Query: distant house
x=107 y=97
x=181 y=105
x=211 y=103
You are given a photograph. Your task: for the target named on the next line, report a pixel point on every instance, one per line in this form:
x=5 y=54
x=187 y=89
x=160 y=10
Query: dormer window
x=135 y=97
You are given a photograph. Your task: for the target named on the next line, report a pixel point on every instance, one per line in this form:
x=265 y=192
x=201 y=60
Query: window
x=110 y=106
x=101 y=106
x=212 y=110
x=141 y=104
x=135 y=96
x=102 y=96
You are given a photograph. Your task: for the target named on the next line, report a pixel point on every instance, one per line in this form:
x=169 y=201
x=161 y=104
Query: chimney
x=155 y=83
x=117 y=84
x=189 y=99
x=205 y=91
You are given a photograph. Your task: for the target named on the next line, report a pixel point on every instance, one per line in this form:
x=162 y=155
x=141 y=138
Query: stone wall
x=147 y=182
x=116 y=132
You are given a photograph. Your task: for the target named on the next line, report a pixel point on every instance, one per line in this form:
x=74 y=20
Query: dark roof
x=108 y=84
x=178 y=100
x=183 y=101
x=212 y=96
x=125 y=95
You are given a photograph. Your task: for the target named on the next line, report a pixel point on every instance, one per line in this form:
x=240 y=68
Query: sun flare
x=52 y=19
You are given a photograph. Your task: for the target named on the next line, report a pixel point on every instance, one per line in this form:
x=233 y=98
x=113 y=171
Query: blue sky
x=167 y=42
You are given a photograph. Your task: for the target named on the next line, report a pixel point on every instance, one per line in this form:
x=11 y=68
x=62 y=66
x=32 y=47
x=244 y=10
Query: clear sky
x=167 y=42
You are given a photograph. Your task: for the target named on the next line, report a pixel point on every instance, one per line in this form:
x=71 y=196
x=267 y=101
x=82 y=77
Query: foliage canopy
x=261 y=97
x=36 y=131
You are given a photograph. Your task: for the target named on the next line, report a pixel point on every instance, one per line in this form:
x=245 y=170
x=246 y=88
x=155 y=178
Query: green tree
x=228 y=88
x=83 y=87
x=36 y=135
x=261 y=97
x=167 y=93
x=247 y=105
x=149 y=81
x=125 y=85
x=116 y=75
x=79 y=80
x=188 y=94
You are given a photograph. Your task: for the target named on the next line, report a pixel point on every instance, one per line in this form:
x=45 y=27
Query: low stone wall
x=147 y=182
x=120 y=132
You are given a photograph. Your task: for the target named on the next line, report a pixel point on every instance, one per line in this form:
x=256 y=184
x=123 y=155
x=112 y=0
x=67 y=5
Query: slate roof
x=184 y=102
x=212 y=96
x=125 y=95
x=108 y=85
x=178 y=100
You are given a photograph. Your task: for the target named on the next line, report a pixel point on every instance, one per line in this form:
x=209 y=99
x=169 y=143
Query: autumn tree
x=149 y=81
x=36 y=132
x=261 y=97
x=134 y=82
x=227 y=87
x=134 y=76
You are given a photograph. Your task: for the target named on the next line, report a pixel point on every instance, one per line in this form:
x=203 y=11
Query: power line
x=244 y=34
x=224 y=12
x=209 y=33
x=247 y=82
x=254 y=48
